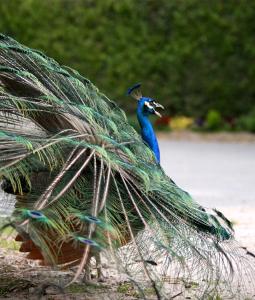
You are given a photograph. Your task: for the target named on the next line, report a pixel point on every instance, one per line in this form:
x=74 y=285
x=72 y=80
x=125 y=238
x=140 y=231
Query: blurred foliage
x=181 y=123
x=213 y=121
x=163 y=123
x=191 y=55
x=247 y=123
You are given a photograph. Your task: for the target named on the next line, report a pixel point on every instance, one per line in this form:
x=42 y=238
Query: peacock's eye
x=148 y=104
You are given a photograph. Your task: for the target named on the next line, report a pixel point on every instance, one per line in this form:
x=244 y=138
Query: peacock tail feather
x=85 y=183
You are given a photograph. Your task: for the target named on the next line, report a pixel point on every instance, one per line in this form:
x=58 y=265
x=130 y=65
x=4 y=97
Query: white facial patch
x=148 y=105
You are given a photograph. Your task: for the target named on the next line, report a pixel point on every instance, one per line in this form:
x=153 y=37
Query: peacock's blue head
x=146 y=106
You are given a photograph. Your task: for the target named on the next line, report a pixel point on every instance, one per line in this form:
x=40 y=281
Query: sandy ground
x=244 y=224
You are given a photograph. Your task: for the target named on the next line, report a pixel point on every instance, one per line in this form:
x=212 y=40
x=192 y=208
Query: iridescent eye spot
x=93 y=219
x=90 y=219
x=35 y=214
x=146 y=103
x=88 y=242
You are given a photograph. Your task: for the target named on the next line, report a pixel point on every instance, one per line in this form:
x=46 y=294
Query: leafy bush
x=213 y=121
x=247 y=122
x=190 y=69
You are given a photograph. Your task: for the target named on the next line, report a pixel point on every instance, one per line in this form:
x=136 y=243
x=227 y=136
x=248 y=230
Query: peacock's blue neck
x=147 y=132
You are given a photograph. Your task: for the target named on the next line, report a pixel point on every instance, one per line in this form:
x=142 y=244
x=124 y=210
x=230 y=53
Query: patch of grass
x=191 y=284
x=128 y=289
x=124 y=287
x=7 y=236
x=9 y=244
x=76 y=288
x=149 y=291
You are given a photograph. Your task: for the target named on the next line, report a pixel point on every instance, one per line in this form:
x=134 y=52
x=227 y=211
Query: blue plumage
x=147 y=130
x=146 y=106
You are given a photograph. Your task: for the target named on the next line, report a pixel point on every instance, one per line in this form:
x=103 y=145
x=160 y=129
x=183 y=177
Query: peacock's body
x=86 y=183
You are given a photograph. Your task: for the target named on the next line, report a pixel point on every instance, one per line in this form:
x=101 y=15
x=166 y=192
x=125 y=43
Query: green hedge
x=191 y=55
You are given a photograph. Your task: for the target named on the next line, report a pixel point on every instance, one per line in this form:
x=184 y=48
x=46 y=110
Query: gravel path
x=216 y=174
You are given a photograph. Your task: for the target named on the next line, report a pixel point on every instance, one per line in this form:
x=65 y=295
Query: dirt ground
x=24 y=279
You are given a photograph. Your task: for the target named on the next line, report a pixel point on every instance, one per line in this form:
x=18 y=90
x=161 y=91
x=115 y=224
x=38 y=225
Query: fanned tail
x=85 y=183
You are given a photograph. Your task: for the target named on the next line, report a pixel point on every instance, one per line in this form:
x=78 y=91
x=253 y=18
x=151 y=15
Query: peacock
x=88 y=185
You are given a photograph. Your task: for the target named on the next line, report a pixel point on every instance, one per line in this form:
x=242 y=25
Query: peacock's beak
x=158 y=114
x=153 y=106
x=157 y=105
